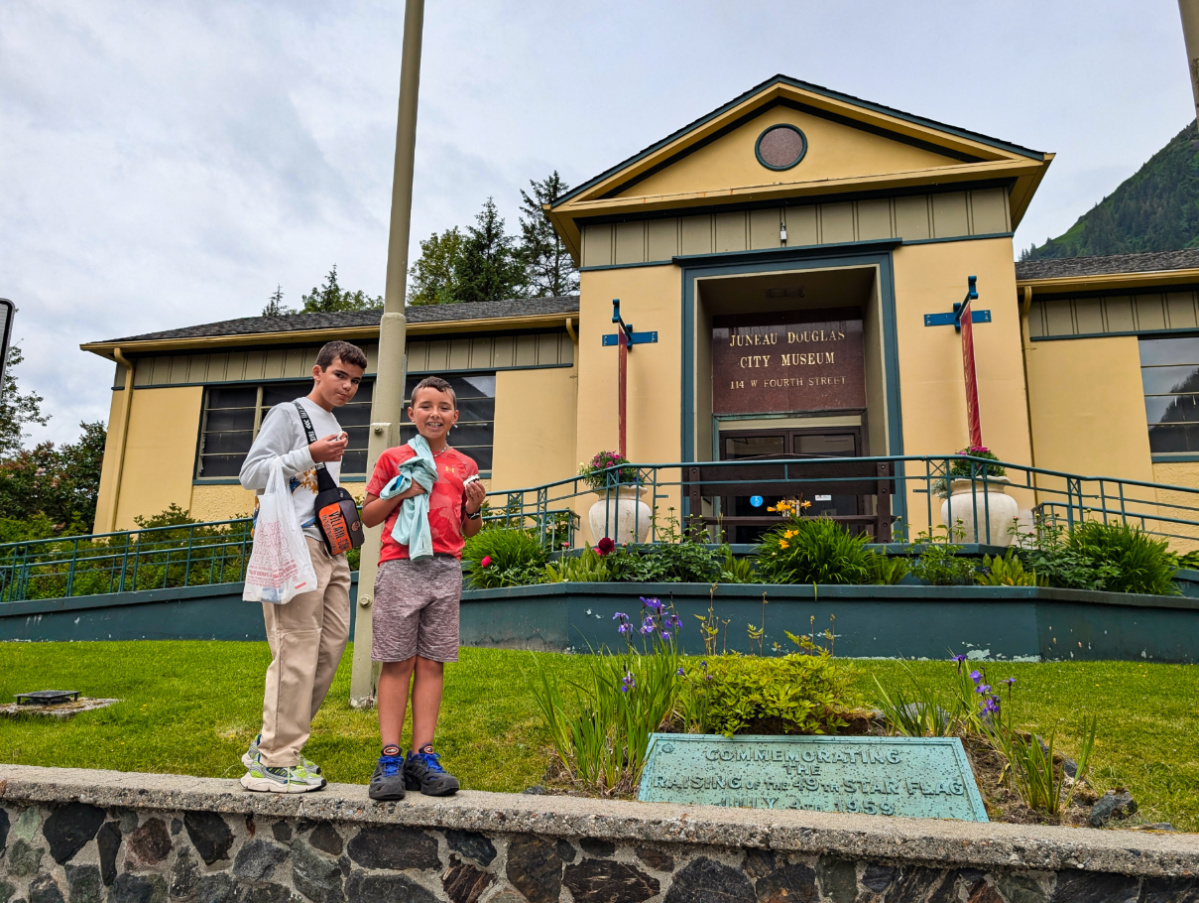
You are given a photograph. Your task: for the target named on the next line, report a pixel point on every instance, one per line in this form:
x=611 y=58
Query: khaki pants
x=307 y=637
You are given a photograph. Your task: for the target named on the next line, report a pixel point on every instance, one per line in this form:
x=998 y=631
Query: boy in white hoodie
x=308 y=635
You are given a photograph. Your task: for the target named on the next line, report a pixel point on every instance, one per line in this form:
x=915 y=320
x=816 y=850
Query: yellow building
x=785 y=253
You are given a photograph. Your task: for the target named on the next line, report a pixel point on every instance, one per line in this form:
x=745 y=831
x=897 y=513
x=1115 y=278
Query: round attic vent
x=781 y=147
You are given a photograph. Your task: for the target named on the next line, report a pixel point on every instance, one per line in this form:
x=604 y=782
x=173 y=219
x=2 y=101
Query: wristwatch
x=478 y=514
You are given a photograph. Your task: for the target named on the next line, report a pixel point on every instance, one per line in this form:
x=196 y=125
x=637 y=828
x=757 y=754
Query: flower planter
x=982 y=503
x=620 y=515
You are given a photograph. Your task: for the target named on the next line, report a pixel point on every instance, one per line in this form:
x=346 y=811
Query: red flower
x=486 y=561
x=604 y=546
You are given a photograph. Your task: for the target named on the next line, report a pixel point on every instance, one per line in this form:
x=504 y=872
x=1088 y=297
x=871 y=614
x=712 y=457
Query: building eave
x=314 y=336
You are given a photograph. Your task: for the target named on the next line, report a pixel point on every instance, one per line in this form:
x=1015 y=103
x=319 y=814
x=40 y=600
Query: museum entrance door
x=744 y=512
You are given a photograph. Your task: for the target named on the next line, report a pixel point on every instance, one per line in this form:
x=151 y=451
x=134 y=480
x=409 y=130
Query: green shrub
x=1006 y=571
x=502 y=557
x=1111 y=557
x=586 y=567
x=890 y=569
x=736 y=570
x=941 y=564
x=800 y=693
x=815 y=550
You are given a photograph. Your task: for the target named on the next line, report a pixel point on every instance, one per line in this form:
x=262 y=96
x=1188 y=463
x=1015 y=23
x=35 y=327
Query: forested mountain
x=1155 y=210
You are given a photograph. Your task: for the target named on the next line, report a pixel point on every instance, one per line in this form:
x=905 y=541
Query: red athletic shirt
x=445 y=501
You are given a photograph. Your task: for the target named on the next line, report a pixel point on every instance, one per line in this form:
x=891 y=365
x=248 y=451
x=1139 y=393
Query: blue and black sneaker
x=423 y=772
x=387 y=783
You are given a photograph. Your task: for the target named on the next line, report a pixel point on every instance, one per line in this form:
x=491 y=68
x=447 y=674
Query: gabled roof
x=485 y=316
x=912 y=150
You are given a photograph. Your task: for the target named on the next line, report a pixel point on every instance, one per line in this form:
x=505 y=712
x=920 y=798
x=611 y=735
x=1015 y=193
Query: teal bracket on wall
x=635 y=338
x=954 y=317
x=950 y=319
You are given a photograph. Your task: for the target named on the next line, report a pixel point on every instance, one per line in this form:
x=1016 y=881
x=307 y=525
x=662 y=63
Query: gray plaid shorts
x=416 y=609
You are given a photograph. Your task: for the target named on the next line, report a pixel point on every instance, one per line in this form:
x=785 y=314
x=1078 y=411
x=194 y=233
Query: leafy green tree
x=434 y=278
x=275 y=306
x=332 y=297
x=489 y=268
x=548 y=267
x=55 y=485
x=17 y=408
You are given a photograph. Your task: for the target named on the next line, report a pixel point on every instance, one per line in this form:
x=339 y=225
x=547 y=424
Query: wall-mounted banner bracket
x=637 y=338
x=631 y=337
x=954 y=318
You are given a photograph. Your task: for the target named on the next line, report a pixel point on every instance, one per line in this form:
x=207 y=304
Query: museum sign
x=788 y=363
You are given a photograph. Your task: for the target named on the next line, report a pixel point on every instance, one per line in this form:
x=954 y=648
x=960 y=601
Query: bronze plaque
x=787 y=363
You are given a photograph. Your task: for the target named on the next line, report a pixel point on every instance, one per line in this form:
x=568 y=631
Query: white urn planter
x=620 y=515
x=981 y=502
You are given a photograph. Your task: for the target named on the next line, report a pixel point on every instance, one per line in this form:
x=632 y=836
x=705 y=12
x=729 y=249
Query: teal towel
x=412 y=522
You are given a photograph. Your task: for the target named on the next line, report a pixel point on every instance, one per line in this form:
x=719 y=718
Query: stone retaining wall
x=71 y=836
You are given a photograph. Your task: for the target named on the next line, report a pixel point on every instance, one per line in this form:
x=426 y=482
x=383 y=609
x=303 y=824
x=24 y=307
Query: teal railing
x=893 y=497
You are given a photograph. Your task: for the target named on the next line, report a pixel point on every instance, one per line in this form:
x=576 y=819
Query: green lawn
x=192 y=707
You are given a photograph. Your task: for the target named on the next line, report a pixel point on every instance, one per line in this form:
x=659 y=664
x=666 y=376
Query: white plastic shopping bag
x=280 y=566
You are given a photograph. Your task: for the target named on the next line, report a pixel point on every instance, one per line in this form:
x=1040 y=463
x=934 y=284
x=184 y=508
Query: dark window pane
x=353 y=415
x=220 y=465
x=278 y=393
x=1172 y=408
x=227 y=443
x=359 y=436
x=474 y=386
x=480 y=455
x=1170 y=351
x=1173 y=439
x=834 y=446
x=232 y=397
x=353 y=463
x=754 y=446
x=1167 y=380
x=476 y=409
x=240 y=419
x=471 y=434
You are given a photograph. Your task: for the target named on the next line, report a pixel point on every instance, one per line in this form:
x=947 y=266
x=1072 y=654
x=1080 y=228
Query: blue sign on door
x=756 y=501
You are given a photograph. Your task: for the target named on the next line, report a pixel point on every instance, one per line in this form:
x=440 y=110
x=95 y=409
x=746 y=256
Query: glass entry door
x=828 y=500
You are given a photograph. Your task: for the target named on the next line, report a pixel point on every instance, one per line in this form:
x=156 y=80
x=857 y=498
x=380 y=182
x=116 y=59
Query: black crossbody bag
x=336 y=511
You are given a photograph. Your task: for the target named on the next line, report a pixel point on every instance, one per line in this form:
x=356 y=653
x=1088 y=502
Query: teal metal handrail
x=218 y=551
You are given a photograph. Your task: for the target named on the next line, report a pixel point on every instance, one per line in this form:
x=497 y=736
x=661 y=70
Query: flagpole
x=388 y=401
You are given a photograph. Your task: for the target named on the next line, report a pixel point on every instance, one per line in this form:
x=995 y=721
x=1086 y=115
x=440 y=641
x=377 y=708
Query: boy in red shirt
x=415 y=611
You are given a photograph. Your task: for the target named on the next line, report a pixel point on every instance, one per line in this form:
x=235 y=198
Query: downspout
x=1025 y=333
x=570 y=331
x=126 y=408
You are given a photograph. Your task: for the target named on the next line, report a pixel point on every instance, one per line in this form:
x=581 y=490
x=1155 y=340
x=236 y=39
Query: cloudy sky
x=167 y=164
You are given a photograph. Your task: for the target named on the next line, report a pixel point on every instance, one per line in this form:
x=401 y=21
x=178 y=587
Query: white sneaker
x=295 y=779
x=250 y=757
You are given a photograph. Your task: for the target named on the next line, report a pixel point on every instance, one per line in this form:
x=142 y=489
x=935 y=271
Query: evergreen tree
x=16 y=408
x=1157 y=209
x=275 y=306
x=434 y=278
x=489 y=268
x=548 y=267
x=331 y=297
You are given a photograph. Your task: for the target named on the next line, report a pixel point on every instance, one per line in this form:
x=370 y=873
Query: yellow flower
x=783 y=544
x=789 y=534
x=806 y=505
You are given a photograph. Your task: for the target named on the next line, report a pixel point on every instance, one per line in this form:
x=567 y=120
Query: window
x=233 y=414
x=1170 y=375
x=473 y=433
